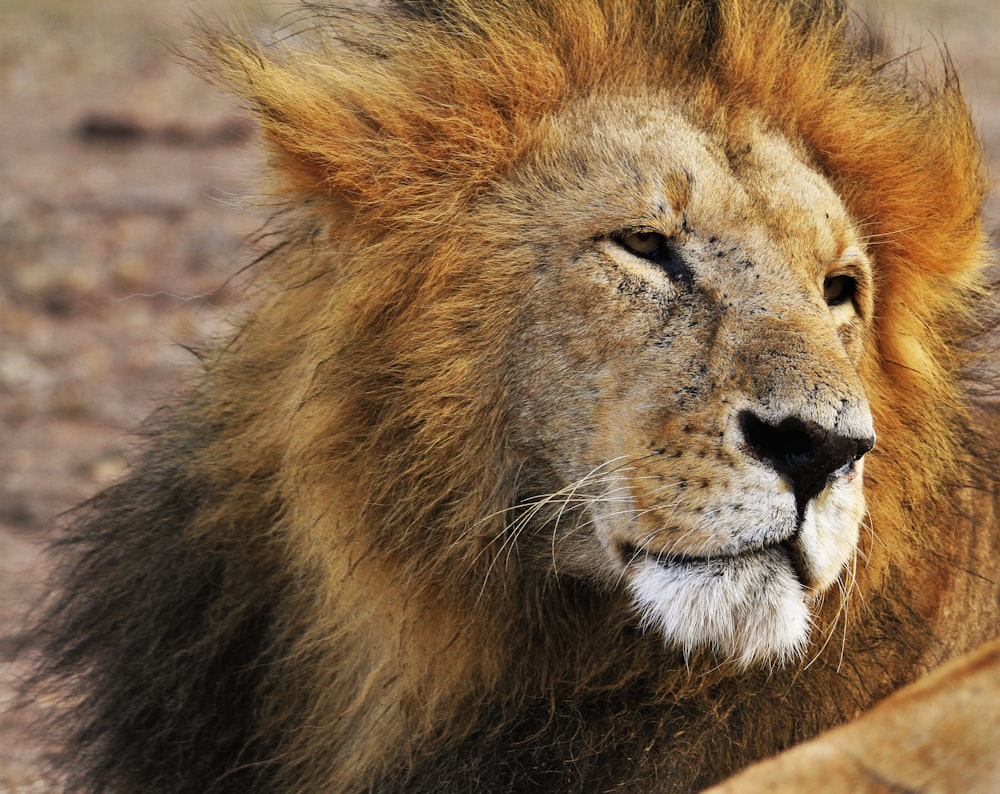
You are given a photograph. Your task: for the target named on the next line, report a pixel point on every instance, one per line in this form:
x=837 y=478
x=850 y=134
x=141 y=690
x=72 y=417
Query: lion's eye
x=645 y=244
x=657 y=249
x=838 y=290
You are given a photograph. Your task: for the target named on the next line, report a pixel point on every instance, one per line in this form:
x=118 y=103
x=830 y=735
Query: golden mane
x=376 y=628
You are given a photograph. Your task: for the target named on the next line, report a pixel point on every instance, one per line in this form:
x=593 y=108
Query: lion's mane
x=300 y=586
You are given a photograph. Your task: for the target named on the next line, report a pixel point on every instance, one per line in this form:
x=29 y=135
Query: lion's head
x=651 y=288
x=570 y=370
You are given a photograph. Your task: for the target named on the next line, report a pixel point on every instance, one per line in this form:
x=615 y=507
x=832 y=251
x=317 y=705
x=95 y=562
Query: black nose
x=803 y=451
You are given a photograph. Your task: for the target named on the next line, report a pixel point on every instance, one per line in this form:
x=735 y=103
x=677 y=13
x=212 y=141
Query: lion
x=600 y=420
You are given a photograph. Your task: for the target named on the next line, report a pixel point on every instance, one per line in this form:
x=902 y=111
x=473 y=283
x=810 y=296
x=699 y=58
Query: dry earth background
x=122 y=179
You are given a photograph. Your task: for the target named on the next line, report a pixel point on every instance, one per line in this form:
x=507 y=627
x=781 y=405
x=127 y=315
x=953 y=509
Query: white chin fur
x=749 y=609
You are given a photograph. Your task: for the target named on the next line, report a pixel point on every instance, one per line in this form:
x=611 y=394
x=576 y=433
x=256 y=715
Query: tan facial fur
x=648 y=383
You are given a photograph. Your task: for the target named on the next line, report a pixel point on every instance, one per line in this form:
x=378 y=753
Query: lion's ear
x=396 y=138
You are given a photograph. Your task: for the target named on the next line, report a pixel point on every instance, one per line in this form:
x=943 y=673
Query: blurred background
x=123 y=216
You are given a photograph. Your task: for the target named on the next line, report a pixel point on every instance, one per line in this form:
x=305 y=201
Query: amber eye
x=658 y=250
x=648 y=245
x=838 y=290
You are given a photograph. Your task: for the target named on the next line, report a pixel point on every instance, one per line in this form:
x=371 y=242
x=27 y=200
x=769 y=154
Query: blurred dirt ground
x=122 y=178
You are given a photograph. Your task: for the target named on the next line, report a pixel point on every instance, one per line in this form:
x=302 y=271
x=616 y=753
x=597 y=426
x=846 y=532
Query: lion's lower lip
x=631 y=553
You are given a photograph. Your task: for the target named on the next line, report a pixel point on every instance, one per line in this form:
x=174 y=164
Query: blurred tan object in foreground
x=941 y=734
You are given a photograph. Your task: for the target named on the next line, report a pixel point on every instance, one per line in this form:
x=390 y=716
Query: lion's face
x=689 y=357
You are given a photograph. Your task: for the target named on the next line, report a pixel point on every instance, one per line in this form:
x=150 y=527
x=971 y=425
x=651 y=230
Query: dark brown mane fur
x=232 y=618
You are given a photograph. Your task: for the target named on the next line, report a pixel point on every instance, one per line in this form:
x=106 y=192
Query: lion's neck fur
x=445 y=675
x=443 y=678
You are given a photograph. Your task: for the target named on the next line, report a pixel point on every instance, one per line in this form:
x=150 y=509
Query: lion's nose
x=805 y=452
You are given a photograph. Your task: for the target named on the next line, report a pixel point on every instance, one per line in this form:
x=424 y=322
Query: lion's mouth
x=788 y=547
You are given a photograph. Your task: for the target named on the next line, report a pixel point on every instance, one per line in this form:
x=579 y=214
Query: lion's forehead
x=643 y=157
